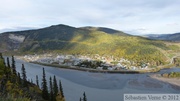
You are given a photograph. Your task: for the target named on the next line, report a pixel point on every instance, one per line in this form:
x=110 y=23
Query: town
x=95 y=62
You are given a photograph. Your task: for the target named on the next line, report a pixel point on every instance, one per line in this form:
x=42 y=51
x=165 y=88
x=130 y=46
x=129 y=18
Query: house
x=110 y=68
x=119 y=65
x=76 y=62
x=133 y=68
x=99 y=68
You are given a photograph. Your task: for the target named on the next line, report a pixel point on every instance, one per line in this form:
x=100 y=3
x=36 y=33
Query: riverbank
x=173 y=81
x=88 y=69
x=102 y=71
x=125 y=71
x=59 y=61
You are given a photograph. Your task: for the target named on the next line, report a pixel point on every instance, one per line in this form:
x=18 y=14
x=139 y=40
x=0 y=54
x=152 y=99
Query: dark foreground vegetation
x=14 y=86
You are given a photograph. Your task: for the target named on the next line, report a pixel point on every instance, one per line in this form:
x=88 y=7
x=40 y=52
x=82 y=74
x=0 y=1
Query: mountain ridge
x=104 y=29
x=167 y=37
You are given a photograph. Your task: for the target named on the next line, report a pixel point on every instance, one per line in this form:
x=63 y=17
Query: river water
x=99 y=86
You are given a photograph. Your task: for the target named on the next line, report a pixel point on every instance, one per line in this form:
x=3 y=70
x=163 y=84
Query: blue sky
x=132 y=16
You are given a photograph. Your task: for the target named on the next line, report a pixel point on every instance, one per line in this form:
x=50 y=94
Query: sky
x=131 y=16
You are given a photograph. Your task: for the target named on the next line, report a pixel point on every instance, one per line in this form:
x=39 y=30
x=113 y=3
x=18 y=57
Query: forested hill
x=88 y=40
x=61 y=36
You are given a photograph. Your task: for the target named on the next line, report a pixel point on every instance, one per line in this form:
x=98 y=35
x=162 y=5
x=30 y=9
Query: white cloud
x=172 y=24
x=125 y=15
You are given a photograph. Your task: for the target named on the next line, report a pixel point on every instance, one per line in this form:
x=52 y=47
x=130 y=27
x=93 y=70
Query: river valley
x=100 y=86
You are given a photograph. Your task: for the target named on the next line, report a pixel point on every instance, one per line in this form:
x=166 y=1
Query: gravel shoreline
x=173 y=81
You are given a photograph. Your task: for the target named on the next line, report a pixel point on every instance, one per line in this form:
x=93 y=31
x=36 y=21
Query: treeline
x=15 y=86
x=53 y=94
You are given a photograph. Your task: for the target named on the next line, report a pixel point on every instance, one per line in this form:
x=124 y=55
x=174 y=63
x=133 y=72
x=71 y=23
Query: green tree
x=55 y=86
x=45 y=94
x=84 y=97
x=3 y=63
x=51 y=90
x=8 y=71
x=19 y=79
x=13 y=66
x=61 y=89
x=8 y=64
x=24 y=77
x=1 y=56
x=37 y=81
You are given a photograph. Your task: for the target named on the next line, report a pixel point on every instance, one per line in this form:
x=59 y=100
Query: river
x=99 y=86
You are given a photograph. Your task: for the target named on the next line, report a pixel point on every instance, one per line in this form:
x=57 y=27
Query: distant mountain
x=85 y=40
x=169 y=37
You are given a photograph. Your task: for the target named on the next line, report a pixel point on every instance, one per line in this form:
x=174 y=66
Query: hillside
x=14 y=85
x=34 y=40
x=169 y=37
x=88 y=40
x=13 y=88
